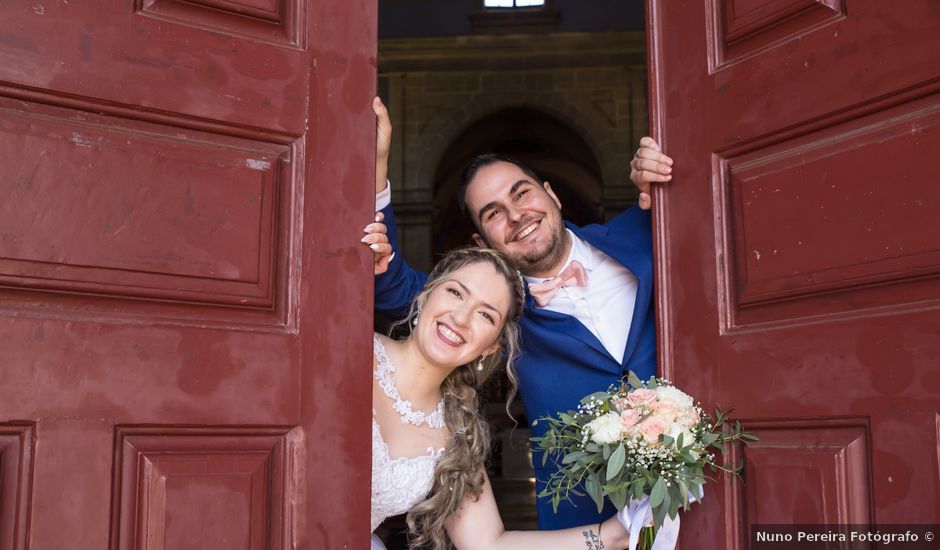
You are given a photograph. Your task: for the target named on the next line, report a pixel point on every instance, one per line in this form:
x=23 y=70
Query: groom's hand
x=649 y=165
x=383 y=143
x=377 y=240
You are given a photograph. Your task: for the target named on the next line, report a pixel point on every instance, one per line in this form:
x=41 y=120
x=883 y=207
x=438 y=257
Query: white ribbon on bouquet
x=639 y=514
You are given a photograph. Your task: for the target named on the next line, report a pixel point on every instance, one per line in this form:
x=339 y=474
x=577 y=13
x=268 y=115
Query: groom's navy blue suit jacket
x=562 y=361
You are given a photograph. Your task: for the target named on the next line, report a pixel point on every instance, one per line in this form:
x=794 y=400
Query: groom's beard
x=548 y=256
x=543 y=258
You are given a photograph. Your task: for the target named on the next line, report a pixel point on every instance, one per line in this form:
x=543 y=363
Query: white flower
x=674 y=396
x=687 y=437
x=606 y=428
x=676 y=429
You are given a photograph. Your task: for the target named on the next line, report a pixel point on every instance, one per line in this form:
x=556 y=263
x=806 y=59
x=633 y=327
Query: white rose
x=606 y=429
x=675 y=396
x=687 y=436
x=676 y=429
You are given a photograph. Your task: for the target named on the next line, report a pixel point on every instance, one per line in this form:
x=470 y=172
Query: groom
x=589 y=312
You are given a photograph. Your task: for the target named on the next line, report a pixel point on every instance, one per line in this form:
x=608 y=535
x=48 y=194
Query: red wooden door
x=184 y=305
x=799 y=251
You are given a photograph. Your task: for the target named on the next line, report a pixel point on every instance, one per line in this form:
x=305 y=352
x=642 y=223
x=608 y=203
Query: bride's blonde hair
x=459 y=473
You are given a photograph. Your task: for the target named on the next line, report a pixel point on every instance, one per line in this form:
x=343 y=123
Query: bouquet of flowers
x=645 y=444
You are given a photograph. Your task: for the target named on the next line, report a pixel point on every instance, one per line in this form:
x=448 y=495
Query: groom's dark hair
x=470 y=172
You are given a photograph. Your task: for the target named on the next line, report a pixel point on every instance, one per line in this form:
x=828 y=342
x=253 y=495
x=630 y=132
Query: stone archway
x=590 y=123
x=554 y=150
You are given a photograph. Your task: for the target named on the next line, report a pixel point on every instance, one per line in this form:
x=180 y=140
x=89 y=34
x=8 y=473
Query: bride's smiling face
x=463 y=316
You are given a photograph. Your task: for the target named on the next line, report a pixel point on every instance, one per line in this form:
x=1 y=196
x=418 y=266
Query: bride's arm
x=478 y=525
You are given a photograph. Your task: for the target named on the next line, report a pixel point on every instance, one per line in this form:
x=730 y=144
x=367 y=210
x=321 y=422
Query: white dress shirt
x=384 y=197
x=605 y=305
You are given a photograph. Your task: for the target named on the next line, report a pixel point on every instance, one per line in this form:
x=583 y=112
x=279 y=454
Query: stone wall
x=436 y=88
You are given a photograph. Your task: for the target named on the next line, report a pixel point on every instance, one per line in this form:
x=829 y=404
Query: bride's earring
x=480 y=363
x=414 y=322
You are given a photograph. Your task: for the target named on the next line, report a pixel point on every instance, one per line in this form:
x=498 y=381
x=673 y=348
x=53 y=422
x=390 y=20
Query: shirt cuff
x=384 y=197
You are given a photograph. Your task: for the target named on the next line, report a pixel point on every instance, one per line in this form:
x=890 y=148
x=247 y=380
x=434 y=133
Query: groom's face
x=517 y=216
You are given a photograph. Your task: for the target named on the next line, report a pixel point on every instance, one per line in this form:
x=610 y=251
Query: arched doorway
x=556 y=152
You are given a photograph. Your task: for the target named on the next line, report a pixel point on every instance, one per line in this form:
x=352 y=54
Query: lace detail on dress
x=385 y=375
x=397 y=483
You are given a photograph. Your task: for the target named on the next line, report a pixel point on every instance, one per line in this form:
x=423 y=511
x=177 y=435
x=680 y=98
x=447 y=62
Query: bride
x=429 y=440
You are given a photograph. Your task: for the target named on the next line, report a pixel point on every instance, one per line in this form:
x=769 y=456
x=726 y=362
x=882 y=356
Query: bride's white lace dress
x=397 y=483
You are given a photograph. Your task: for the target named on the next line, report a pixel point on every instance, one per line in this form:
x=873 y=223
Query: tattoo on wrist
x=592 y=540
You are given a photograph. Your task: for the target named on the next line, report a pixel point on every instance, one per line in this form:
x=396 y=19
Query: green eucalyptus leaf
x=659 y=513
x=593 y=487
x=572 y=457
x=658 y=494
x=615 y=464
x=684 y=493
x=674 y=504
x=619 y=498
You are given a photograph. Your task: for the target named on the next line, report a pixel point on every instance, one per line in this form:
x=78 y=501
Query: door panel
x=205 y=59
x=224 y=484
x=16 y=445
x=181 y=189
x=175 y=238
x=799 y=251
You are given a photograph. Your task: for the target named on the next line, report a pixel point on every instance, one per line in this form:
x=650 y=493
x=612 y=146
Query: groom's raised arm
x=397 y=287
x=399 y=284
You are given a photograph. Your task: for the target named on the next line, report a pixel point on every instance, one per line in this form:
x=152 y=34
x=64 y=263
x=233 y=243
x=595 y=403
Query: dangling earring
x=480 y=364
x=414 y=322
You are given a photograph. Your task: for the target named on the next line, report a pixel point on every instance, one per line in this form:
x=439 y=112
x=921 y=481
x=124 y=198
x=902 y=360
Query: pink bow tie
x=573 y=275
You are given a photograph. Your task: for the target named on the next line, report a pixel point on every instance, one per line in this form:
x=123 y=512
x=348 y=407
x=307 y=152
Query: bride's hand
x=377 y=240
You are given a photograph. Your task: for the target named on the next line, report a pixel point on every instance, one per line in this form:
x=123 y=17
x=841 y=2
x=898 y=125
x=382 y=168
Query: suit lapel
x=643 y=295
x=560 y=323
x=628 y=255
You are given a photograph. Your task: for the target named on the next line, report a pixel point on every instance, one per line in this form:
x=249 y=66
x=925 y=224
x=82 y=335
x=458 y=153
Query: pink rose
x=651 y=429
x=629 y=418
x=667 y=410
x=642 y=396
x=689 y=417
